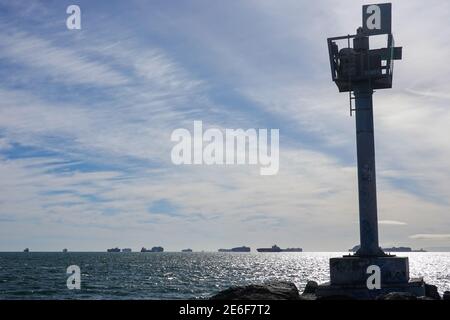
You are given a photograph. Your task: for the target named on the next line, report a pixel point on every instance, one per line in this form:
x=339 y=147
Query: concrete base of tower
x=350 y=270
x=348 y=277
x=415 y=287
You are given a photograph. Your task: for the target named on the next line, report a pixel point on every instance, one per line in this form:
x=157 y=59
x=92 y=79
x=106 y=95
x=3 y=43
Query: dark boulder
x=431 y=291
x=397 y=296
x=335 y=297
x=310 y=288
x=446 y=295
x=424 y=298
x=279 y=290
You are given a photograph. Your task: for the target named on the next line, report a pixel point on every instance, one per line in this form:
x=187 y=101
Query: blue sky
x=86 y=117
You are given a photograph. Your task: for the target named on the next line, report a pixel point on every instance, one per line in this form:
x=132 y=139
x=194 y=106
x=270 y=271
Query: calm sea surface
x=168 y=275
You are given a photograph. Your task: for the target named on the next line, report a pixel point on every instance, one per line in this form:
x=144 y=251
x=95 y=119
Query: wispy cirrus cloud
x=430 y=236
x=392 y=222
x=58 y=63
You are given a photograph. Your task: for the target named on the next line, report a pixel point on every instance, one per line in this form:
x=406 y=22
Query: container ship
x=276 y=248
x=154 y=249
x=237 y=249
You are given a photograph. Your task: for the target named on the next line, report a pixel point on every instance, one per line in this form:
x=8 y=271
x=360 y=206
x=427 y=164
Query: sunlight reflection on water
x=177 y=275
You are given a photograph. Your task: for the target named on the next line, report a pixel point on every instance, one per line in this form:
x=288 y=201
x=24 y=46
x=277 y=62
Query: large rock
x=279 y=290
x=397 y=296
x=335 y=297
x=446 y=295
x=425 y=298
x=310 y=288
x=431 y=291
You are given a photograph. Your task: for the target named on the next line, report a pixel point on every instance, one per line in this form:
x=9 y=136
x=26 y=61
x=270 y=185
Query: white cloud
x=4 y=144
x=392 y=222
x=425 y=236
x=61 y=64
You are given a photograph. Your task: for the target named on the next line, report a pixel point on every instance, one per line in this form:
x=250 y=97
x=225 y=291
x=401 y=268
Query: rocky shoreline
x=282 y=290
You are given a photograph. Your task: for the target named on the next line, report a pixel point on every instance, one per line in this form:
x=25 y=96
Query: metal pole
x=368 y=221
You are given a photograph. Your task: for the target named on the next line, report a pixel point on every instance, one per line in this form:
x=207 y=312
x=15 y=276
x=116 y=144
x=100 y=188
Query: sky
x=86 y=117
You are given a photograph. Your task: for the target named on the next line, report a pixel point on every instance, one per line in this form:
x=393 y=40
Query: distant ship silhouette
x=237 y=249
x=276 y=248
x=392 y=249
x=154 y=249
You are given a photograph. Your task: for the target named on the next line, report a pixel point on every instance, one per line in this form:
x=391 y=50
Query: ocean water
x=41 y=275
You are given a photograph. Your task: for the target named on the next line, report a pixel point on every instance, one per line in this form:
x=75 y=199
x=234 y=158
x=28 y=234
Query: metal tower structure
x=359 y=70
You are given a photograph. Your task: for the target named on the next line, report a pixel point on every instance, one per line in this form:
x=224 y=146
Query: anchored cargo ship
x=154 y=249
x=237 y=249
x=391 y=249
x=276 y=248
